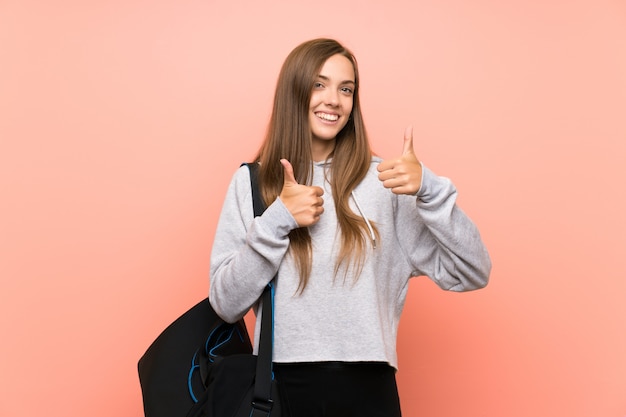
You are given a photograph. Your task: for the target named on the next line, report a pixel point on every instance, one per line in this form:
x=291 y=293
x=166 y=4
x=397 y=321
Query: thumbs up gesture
x=402 y=175
x=304 y=202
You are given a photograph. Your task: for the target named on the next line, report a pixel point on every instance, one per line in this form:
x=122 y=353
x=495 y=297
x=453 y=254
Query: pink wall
x=121 y=123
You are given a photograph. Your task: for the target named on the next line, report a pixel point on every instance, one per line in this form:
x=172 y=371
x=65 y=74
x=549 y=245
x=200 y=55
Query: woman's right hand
x=304 y=202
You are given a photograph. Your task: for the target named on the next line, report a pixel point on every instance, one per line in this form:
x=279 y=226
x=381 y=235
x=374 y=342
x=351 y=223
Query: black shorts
x=338 y=389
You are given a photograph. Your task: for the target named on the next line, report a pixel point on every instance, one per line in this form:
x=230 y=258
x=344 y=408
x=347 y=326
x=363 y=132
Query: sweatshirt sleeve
x=445 y=245
x=247 y=251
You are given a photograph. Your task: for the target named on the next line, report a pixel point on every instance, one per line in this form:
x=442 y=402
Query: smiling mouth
x=327 y=117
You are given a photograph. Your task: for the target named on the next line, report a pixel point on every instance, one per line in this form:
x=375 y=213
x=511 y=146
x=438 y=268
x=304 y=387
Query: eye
x=318 y=85
x=347 y=90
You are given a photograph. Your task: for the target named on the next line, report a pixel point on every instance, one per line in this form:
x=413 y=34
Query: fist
x=304 y=202
x=402 y=175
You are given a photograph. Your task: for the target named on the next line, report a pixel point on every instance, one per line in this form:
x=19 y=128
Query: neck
x=321 y=149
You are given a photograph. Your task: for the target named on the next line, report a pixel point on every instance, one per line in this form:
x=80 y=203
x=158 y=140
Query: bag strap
x=262 y=397
x=257 y=200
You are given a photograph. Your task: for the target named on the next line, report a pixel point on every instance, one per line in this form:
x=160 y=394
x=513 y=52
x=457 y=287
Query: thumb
x=288 y=172
x=408 y=141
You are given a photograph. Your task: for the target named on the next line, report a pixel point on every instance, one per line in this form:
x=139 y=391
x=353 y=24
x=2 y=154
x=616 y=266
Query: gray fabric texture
x=342 y=318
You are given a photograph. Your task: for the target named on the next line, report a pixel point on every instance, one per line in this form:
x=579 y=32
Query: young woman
x=345 y=231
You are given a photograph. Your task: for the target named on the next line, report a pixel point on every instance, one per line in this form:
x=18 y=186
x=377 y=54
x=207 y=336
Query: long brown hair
x=289 y=136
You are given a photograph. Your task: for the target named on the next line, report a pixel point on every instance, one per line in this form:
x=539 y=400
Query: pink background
x=121 y=123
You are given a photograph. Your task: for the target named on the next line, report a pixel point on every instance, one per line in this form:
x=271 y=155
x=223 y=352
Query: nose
x=332 y=97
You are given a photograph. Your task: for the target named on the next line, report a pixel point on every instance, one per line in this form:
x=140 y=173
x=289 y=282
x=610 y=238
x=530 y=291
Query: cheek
x=348 y=105
x=314 y=100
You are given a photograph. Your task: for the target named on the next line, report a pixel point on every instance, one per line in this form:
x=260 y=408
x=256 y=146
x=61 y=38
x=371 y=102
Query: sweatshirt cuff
x=432 y=186
x=278 y=220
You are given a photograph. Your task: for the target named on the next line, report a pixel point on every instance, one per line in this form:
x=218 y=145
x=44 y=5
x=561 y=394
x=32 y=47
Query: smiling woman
x=121 y=122
x=344 y=231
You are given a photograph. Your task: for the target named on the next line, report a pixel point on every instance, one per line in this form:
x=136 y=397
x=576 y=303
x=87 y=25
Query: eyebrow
x=325 y=78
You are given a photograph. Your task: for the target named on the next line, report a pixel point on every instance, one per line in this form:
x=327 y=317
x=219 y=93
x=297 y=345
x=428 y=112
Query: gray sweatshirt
x=339 y=317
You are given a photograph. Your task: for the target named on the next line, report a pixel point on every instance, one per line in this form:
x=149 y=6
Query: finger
x=386 y=175
x=392 y=183
x=408 y=141
x=319 y=191
x=288 y=172
x=386 y=165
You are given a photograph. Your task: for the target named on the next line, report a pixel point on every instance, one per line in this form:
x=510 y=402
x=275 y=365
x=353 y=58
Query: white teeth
x=329 y=117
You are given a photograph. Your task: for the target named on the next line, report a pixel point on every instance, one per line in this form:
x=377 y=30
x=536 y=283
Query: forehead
x=338 y=68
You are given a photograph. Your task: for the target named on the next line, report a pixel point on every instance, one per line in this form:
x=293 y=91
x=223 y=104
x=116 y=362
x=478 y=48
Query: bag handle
x=262 y=398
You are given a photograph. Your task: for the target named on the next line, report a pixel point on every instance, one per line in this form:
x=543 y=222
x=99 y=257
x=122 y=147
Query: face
x=331 y=100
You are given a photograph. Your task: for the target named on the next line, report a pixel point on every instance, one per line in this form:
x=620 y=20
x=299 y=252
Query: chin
x=325 y=135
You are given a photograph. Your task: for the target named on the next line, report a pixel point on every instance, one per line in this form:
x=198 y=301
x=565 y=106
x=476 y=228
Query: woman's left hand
x=402 y=175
